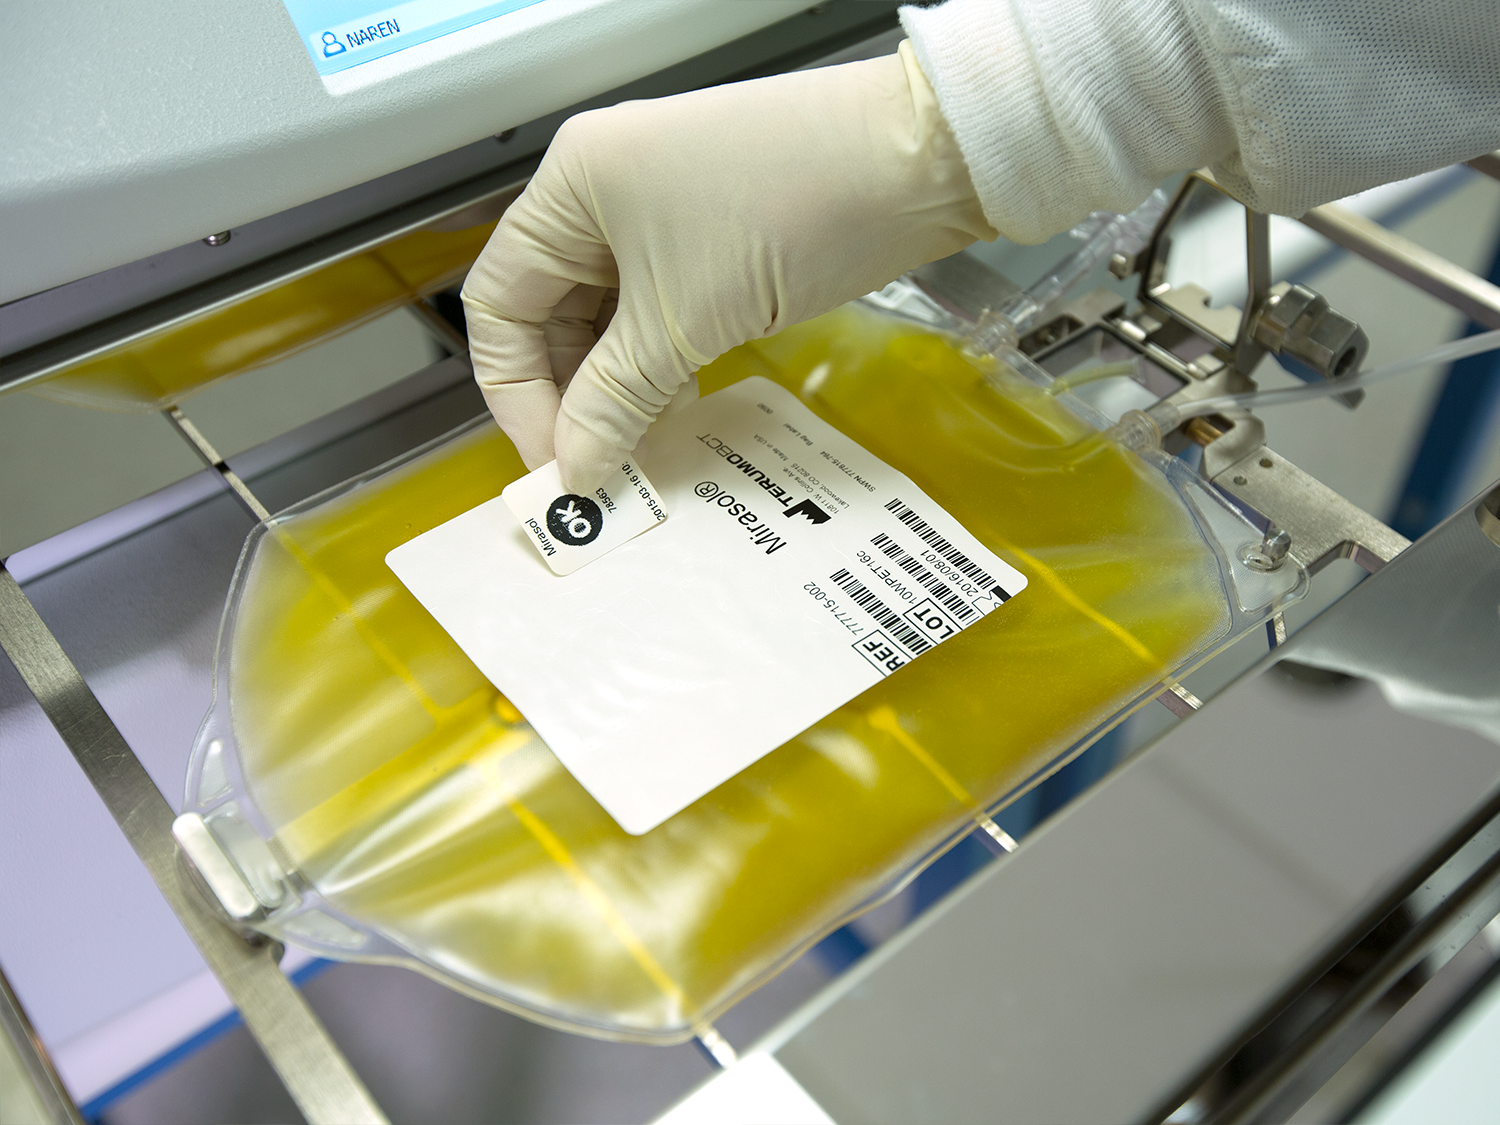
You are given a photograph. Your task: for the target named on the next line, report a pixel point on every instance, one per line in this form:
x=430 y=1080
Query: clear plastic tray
x=386 y=803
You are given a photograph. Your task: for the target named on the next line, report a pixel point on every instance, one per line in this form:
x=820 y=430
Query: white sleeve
x=1062 y=107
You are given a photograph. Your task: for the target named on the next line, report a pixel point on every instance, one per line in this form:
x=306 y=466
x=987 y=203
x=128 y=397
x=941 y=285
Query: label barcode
x=866 y=600
x=939 y=544
x=935 y=585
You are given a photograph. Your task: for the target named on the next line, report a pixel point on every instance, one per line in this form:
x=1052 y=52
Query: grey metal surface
x=1330 y=1038
x=322 y=1083
x=1110 y=961
x=1402 y=1040
x=69 y=307
x=103 y=166
x=1431 y=641
x=1274 y=1091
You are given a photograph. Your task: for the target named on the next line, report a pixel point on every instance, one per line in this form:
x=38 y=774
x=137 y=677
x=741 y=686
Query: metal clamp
x=1291 y=321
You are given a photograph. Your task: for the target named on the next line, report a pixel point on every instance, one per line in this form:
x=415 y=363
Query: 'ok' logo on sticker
x=574 y=520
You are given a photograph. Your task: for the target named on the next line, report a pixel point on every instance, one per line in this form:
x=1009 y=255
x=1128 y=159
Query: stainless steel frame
x=315 y=1073
x=927 y=1029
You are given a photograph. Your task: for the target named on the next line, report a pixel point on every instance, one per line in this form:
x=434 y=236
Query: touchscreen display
x=340 y=34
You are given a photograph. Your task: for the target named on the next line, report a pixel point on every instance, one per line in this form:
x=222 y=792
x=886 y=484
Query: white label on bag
x=569 y=531
x=796 y=571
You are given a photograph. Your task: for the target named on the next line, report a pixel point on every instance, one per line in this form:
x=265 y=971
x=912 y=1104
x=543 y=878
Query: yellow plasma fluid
x=166 y=367
x=414 y=797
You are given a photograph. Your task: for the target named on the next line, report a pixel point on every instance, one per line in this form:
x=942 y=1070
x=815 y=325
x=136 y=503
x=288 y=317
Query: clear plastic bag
x=388 y=804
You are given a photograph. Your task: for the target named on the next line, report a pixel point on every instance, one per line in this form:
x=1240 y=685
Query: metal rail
x=1247 y=349
x=318 y=1077
x=1472 y=295
x=449 y=338
x=210 y=457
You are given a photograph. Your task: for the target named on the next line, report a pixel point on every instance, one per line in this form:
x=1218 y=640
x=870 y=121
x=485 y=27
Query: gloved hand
x=719 y=216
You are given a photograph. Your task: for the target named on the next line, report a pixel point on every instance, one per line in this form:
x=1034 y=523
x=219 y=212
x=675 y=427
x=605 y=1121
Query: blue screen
x=339 y=34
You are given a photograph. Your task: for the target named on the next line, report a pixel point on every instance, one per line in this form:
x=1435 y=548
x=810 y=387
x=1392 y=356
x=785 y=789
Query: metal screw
x=1269 y=553
x=217 y=239
x=505 y=135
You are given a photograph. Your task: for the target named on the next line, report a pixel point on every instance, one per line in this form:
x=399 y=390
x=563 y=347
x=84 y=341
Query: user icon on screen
x=331 y=45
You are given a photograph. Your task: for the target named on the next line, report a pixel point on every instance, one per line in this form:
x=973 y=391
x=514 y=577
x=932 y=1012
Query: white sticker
x=796 y=571
x=569 y=531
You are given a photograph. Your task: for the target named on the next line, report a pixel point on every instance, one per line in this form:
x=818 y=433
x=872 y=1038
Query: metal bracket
x=221 y=877
x=718 y=1050
x=1299 y=323
x=1286 y=320
x=1178 y=700
x=1323 y=525
x=1249 y=350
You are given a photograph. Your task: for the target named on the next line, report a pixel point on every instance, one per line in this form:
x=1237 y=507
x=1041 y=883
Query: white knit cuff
x=1063 y=107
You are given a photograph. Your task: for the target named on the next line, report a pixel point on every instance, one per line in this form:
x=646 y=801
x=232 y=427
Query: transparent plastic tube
x=1103 y=234
x=1079 y=376
x=1168 y=416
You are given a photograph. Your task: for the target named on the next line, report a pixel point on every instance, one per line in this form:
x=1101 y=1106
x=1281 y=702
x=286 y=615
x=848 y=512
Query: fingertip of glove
x=584 y=460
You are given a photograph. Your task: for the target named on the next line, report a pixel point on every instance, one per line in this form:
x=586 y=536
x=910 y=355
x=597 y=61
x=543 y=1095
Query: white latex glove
x=719 y=216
